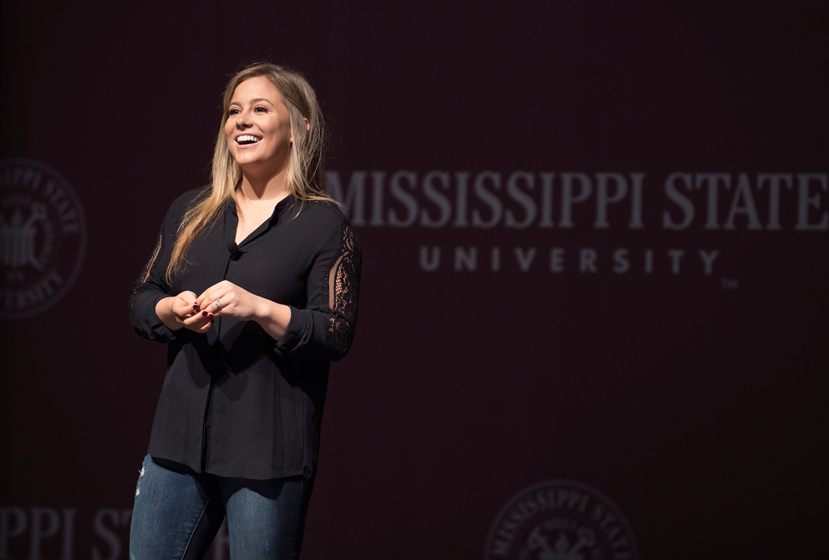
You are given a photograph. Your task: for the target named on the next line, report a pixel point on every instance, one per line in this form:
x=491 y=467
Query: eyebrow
x=257 y=100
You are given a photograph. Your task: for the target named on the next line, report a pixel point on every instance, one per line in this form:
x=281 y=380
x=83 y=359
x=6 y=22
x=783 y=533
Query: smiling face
x=258 y=127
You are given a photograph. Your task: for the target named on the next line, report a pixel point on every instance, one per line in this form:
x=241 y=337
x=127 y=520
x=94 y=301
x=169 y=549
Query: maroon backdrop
x=595 y=259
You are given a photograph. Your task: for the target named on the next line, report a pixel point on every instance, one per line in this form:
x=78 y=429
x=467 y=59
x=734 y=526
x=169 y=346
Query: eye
x=233 y=111
x=260 y=110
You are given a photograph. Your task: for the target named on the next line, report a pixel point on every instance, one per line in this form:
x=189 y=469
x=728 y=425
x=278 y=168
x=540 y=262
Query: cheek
x=285 y=128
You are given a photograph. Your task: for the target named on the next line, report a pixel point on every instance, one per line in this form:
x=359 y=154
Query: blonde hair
x=305 y=176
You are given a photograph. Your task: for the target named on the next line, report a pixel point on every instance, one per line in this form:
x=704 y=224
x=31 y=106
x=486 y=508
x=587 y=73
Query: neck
x=263 y=187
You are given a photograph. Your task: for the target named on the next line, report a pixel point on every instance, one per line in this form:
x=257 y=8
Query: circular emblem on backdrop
x=560 y=520
x=42 y=237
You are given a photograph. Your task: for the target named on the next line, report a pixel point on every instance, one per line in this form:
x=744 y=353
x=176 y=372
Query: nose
x=243 y=120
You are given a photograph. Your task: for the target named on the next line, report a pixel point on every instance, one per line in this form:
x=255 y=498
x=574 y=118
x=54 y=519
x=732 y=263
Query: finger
x=185 y=313
x=192 y=302
x=206 y=297
x=200 y=329
x=181 y=309
x=219 y=302
x=212 y=290
x=198 y=320
x=211 y=307
x=206 y=327
x=202 y=295
x=216 y=297
x=186 y=298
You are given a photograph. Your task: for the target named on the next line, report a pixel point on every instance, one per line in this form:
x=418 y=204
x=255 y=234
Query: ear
x=307 y=127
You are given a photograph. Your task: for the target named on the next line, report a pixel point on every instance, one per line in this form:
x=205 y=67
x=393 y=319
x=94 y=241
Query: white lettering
x=525 y=260
x=523 y=199
x=743 y=203
x=462 y=179
x=557 y=259
x=806 y=200
x=38 y=532
x=708 y=260
x=427 y=262
x=620 y=258
x=526 y=199
x=587 y=260
x=354 y=201
x=546 y=200
x=568 y=198
x=636 y=201
x=487 y=197
x=495 y=259
x=775 y=180
x=13 y=523
x=603 y=198
x=68 y=533
x=675 y=255
x=712 y=181
x=399 y=181
x=680 y=200
x=105 y=531
x=377 y=180
x=431 y=192
x=466 y=259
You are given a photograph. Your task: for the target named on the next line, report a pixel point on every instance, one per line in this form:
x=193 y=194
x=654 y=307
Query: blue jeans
x=177 y=513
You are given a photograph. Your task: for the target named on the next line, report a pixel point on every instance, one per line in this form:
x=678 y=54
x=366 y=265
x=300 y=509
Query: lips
x=247 y=139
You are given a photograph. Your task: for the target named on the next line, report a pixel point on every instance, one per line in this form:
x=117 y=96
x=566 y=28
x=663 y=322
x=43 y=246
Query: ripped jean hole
x=138 y=484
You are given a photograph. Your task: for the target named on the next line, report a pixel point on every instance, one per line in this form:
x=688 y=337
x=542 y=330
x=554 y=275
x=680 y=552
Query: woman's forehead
x=257 y=87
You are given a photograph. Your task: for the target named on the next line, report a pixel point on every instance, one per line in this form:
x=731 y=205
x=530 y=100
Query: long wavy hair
x=305 y=176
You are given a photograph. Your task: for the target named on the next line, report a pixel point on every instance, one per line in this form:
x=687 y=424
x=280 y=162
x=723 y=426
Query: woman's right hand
x=177 y=312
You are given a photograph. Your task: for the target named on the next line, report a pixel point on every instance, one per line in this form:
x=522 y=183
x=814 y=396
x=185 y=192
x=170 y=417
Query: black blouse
x=235 y=402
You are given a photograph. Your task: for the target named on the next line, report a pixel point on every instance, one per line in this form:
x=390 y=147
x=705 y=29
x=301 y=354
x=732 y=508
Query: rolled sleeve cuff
x=298 y=334
x=150 y=325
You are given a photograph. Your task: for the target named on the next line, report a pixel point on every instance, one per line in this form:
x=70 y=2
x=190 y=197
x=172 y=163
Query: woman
x=253 y=284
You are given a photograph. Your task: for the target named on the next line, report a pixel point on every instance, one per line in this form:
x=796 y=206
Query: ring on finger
x=218 y=303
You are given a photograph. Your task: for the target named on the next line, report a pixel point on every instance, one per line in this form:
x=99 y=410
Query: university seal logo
x=560 y=520
x=42 y=237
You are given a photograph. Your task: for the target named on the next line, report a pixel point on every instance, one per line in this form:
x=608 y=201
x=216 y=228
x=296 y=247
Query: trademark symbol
x=730 y=284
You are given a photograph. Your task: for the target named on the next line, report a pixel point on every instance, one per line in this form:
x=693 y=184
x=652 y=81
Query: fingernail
x=211 y=316
x=211 y=321
x=204 y=313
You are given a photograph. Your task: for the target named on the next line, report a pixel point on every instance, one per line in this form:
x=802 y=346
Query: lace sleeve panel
x=343 y=292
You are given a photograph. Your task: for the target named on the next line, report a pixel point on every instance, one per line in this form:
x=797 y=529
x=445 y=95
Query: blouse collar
x=281 y=207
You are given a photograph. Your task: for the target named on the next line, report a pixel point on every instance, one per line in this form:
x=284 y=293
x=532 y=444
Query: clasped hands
x=197 y=313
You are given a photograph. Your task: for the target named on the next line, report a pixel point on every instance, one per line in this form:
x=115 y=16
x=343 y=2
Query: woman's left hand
x=226 y=298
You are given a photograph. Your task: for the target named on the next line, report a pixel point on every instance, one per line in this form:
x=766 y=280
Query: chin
x=245 y=160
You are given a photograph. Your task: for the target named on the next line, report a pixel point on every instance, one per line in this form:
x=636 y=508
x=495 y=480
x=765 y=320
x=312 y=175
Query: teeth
x=247 y=138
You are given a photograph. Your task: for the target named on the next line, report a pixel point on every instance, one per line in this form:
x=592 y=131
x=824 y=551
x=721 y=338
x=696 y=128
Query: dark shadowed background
x=595 y=253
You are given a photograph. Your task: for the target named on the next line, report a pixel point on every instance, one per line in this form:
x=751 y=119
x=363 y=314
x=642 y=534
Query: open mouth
x=247 y=139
